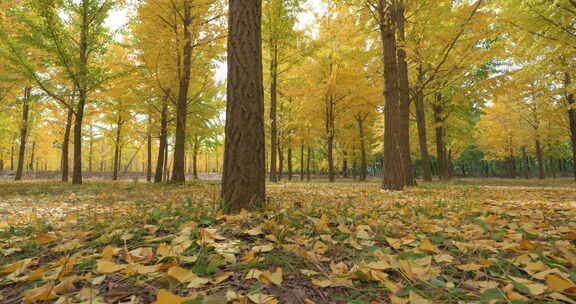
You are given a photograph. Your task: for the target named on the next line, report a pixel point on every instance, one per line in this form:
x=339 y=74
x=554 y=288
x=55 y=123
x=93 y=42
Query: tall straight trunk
x=1 y=160
x=308 y=161
x=117 y=160
x=330 y=130
x=24 y=124
x=166 y=164
x=273 y=110
x=82 y=94
x=393 y=178
x=66 y=146
x=289 y=156
x=32 y=156
x=280 y=163
x=404 y=101
x=571 y=118
x=179 y=166
x=422 y=136
x=244 y=178
x=345 y=167
x=12 y=143
x=526 y=163
x=302 y=161
x=91 y=148
x=163 y=141
x=443 y=169
x=195 y=150
x=149 y=150
x=540 y=159
x=363 y=159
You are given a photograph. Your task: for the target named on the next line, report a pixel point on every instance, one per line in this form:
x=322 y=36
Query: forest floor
x=471 y=241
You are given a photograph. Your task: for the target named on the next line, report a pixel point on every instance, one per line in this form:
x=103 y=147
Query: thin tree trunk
x=363 y=159
x=273 y=111
x=24 y=124
x=330 y=130
x=526 y=163
x=443 y=169
x=404 y=101
x=244 y=178
x=302 y=162
x=422 y=136
x=195 y=150
x=166 y=164
x=66 y=146
x=280 y=163
x=289 y=164
x=32 y=155
x=12 y=144
x=179 y=168
x=149 y=150
x=309 y=159
x=163 y=141
x=540 y=158
x=91 y=148
x=393 y=177
x=117 y=160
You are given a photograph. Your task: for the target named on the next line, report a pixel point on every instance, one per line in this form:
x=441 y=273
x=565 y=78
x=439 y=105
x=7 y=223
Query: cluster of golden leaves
x=315 y=243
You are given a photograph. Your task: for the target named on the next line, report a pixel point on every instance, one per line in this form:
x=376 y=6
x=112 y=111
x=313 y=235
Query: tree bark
x=404 y=101
x=82 y=94
x=91 y=148
x=24 y=124
x=363 y=159
x=273 y=110
x=12 y=143
x=330 y=130
x=163 y=141
x=195 y=150
x=32 y=156
x=526 y=163
x=117 y=159
x=443 y=169
x=179 y=166
x=66 y=146
x=393 y=177
x=149 y=150
x=302 y=162
x=280 y=163
x=244 y=176
x=289 y=156
x=540 y=158
x=422 y=136
x=308 y=161
x=571 y=119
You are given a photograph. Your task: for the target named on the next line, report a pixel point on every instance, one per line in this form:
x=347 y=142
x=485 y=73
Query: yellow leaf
x=259 y=298
x=558 y=283
x=45 y=238
x=470 y=267
x=43 y=293
x=221 y=277
x=321 y=282
x=108 y=267
x=166 y=297
x=263 y=248
x=272 y=277
x=427 y=246
x=181 y=275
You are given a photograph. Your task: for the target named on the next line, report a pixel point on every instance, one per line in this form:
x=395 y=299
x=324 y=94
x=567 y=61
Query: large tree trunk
x=179 y=167
x=66 y=146
x=571 y=118
x=82 y=94
x=404 y=105
x=163 y=141
x=273 y=110
x=24 y=124
x=117 y=159
x=443 y=169
x=289 y=156
x=363 y=159
x=394 y=178
x=422 y=136
x=244 y=177
x=540 y=158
